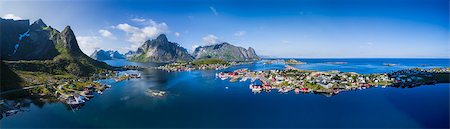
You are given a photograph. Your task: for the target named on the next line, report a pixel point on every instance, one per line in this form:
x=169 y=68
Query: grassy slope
x=209 y=61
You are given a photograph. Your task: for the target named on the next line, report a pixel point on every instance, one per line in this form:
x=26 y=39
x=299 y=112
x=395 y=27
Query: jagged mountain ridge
x=58 y=50
x=160 y=50
x=106 y=55
x=226 y=51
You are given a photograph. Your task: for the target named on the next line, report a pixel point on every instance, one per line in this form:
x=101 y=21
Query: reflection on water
x=20 y=101
x=198 y=99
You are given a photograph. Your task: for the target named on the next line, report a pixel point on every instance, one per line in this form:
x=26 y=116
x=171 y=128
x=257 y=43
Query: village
x=332 y=82
x=76 y=92
x=207 y=64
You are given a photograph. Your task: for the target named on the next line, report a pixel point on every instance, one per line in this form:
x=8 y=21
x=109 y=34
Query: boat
x=253 y=79
x=244 y=79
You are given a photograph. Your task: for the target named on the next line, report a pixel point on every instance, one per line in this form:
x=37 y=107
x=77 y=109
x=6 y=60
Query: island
x=293 y=62
x=333 y=82
x=201 y=64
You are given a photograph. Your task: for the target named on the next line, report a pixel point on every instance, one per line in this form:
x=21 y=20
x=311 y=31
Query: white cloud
x=106 y=34
x=210 y=39
x=88 y=44
x=194 y=47
x=138 y=35
x=177 y=34
x=214 y=10
x=138 y=19
x=240 y=33
x=369 y=43
x=12 y=16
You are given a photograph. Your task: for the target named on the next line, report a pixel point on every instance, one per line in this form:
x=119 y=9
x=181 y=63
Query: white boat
x=253 y=79
x=244 y=79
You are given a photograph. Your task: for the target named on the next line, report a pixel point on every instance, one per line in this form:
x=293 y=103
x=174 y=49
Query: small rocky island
x=293 y=62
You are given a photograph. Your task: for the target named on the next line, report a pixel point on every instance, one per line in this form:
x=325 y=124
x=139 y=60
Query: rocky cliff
x=160 y=50
x=226 y=51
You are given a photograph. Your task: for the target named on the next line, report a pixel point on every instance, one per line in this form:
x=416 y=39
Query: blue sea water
x=198 y=99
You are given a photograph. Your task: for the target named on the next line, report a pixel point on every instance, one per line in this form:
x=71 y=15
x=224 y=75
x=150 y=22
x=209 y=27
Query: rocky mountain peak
x=160 y=50
x=162 y=38
x=38 y=24
x=68 y=40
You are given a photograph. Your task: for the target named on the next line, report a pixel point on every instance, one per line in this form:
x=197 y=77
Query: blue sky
x=301 y=29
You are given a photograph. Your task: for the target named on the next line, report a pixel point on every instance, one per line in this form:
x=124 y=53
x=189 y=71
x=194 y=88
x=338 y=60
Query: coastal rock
x=106 y=55
x=160 y=50
x=226 y=52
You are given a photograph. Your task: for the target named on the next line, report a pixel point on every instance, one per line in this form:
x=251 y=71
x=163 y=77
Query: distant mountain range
x=106 y=55
x=226 y=51
x=22 y=41
x=161 y=50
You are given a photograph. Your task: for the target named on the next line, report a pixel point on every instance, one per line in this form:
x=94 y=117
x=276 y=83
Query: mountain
x=160 y=50
x=106 y=55
x=39 y=44
x=41 y=48
x=129 y=54
x=226 y=51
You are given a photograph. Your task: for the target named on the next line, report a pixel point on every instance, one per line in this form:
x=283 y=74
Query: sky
x=278 y=28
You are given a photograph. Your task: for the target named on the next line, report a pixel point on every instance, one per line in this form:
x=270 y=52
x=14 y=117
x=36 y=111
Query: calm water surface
x=198 y=99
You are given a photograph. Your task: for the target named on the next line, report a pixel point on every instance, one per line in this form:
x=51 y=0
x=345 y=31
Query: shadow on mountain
x=9 y=79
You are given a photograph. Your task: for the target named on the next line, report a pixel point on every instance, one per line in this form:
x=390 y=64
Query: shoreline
x=332 y=82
